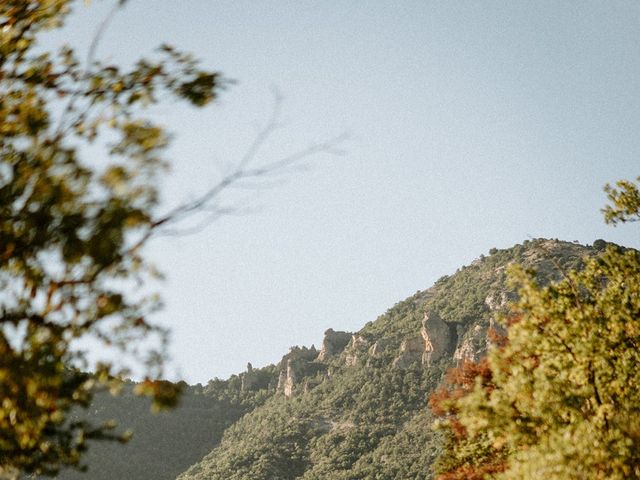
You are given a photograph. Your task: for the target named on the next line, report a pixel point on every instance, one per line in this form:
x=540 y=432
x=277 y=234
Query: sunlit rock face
x=437 y=338
x=466 y=351
x=299 y=367
x=290 y=380
x=477 y=341
x=249 y=379
x=296 y=365
x=411 y=351
x=378 y=347
x=333 y=344
x=357 y=345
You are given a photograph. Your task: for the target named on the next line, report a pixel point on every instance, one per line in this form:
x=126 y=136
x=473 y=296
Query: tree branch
x=243 y=171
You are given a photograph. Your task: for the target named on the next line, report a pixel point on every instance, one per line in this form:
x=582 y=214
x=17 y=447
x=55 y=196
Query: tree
x=625 y=202
x=73 y=228
x=560 y=398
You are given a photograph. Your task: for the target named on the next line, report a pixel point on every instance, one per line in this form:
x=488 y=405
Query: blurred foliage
x=72 y=228
x=464 y=456
x=624 y=201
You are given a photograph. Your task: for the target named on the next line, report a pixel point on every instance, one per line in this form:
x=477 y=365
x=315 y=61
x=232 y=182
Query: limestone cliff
x=472 y=346
x=411 y=351
x=333 y=344
x=295 y=366
x=370 y=418
x=355 y=349
x=249 y=379
x=437 y=337
x=378 y=347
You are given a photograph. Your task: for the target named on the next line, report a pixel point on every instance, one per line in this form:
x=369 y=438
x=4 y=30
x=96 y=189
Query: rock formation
x=282 y=380
x=411 y=351
x=378 y=347
x=472 y=346
x=435 y=341
x=295 y=366
x=356 y=346
x=498 y=301
x=333 y=344
x=290 y=380
x=248 y=378
x=437 y=338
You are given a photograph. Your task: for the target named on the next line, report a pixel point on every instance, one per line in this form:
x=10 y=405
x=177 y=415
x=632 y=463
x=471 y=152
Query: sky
x=471 y=125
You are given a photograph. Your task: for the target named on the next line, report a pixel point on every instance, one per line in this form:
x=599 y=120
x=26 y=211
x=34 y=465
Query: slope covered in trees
x=366 y=415
x=356 y=409
x=165 y=443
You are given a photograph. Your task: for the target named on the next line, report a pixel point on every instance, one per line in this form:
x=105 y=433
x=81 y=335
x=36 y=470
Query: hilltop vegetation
x=368 y=417
x=356 y=409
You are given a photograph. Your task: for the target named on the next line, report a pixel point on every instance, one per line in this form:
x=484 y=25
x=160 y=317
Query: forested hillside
x=365 y=415
x=165 y=443
x=355 y=409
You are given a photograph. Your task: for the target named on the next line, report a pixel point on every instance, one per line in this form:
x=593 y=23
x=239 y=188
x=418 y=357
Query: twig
x=237 y=178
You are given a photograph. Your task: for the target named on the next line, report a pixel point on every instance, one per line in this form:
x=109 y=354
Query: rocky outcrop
x=357 y=345
x=465 y=351
x=295 y=366
x=498 y=301
x=333 y=344
x=375 y=350
x=494 y=302
x=290 y=380
x=411 y=351
x=378 y=347
x=472 y=347
x=478 y=340
x=248 y=379
x=437 y=338
x=282 y=379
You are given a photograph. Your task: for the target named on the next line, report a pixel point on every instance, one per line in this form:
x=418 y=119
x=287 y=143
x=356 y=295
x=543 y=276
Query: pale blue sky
x=473 y=125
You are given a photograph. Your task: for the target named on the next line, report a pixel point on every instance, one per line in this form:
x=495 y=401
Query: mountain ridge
x=364 y=412
x=354 y=409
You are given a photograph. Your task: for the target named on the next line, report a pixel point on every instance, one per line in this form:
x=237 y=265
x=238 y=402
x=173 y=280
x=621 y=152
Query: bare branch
x=242 y=175
x=90 y=58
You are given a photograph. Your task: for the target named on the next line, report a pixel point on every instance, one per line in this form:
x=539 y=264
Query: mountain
x=354 y=409
x=165 y=443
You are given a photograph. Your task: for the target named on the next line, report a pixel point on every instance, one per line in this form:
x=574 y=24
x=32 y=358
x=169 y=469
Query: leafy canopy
x=72 y=227
x=625 y=202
